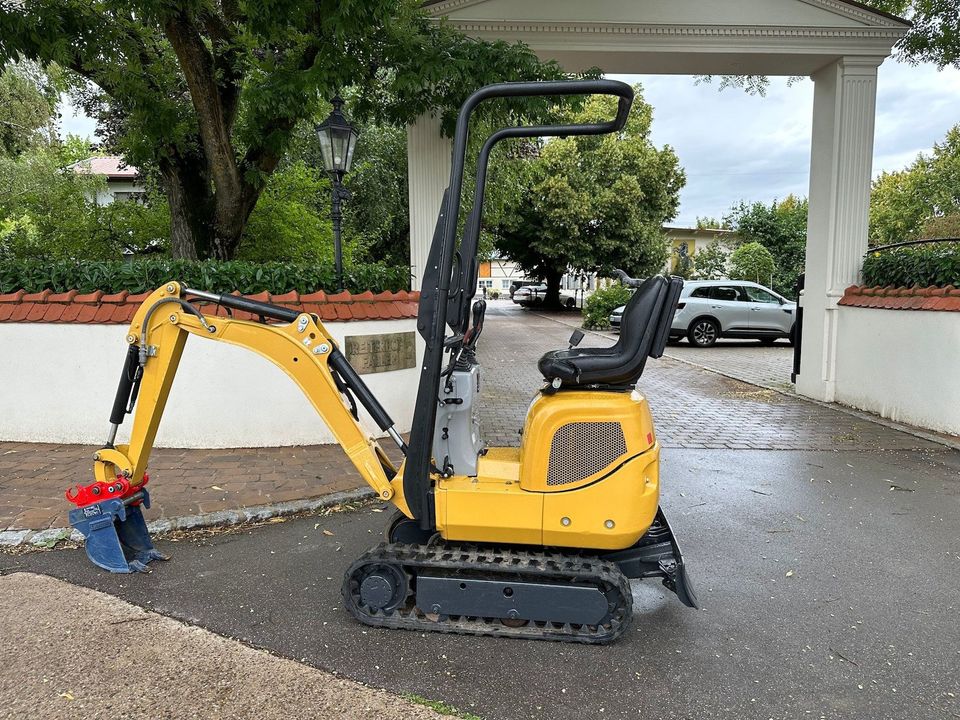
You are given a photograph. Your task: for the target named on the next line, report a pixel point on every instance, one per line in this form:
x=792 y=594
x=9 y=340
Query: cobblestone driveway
x=692 y=407
x=767 y=366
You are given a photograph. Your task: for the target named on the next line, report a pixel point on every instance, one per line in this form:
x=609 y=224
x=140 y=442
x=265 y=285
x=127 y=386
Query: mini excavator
x=538 y=541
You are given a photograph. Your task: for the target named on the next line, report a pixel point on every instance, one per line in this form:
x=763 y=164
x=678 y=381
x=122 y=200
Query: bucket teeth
x=116 y=535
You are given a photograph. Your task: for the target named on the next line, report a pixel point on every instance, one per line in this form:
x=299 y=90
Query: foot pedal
x=110 y=518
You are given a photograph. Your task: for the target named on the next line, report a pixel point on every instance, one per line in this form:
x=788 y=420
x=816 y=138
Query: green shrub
x=597 y=309
x=923 y=265
x=752 y=261
x=211 y=275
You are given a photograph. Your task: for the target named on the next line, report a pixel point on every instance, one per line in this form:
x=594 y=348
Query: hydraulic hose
x=146 y=322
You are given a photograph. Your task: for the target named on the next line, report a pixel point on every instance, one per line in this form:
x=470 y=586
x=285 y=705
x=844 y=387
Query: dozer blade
x=657 y=554
x=115 y=534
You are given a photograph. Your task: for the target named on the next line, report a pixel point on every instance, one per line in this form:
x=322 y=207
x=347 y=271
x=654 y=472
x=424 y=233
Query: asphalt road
x=829 y=582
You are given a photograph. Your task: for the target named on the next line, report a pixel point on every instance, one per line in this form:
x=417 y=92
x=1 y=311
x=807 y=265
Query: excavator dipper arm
x=298 y=344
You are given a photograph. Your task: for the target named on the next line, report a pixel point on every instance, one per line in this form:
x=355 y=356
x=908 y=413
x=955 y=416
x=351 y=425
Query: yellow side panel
x=492 y=510
x=611 y=514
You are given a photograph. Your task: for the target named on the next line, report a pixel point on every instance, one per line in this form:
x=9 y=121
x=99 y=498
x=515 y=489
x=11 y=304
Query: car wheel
x=767 y=341
x=793 y=335
x=570 y=303
x=703 y=332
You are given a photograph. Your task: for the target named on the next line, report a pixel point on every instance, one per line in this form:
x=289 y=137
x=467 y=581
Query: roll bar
x=435 y=290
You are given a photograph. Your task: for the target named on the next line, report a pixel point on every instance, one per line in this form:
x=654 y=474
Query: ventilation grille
x=582 y=449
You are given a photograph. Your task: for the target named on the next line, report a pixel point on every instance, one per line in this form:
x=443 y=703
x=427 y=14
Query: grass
x=440 y=707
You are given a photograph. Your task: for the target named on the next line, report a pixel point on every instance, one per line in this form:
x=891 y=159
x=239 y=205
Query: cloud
x=735 y=147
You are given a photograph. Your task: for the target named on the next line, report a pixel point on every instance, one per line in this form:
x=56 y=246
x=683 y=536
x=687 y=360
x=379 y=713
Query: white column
x=844 y=106
x=428 y=171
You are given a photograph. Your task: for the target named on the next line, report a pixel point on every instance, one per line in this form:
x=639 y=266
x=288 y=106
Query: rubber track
x=532 y=566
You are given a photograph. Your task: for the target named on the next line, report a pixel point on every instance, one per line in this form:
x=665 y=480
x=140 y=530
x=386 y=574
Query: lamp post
x=338 y=138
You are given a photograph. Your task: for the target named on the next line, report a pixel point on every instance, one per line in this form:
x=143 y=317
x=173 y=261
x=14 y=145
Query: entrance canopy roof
x=687 y=37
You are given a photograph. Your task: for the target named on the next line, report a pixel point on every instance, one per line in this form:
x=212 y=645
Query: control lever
x=473 y=334
x=575 y=339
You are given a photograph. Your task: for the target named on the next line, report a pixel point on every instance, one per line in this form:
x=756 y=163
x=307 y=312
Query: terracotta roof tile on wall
x=894 y=298
x=119 y=308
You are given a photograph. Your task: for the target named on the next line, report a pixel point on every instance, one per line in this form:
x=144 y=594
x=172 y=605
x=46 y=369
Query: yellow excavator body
x=584 y=476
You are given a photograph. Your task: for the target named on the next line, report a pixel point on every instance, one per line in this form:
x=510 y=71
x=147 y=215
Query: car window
x=726 y=292
x=760 y=295
x=701 y=292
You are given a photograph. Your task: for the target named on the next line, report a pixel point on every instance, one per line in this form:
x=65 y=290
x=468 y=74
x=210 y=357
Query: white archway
x=838 y=43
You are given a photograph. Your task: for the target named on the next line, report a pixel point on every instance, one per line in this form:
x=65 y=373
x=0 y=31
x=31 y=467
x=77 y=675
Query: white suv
x=711 y=309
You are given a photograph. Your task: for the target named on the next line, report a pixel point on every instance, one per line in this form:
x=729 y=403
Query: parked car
x=534 y=295
x=517 y=284
x=711 y=309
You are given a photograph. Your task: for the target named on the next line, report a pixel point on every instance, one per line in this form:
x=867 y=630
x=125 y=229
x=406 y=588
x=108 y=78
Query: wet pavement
x=828 y=582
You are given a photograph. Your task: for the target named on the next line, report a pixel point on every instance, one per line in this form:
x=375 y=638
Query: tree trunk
x=229 y=220
x=191 y=202
x=552 y=299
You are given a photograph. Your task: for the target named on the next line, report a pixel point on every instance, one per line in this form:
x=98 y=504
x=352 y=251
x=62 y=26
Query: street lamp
x=337 y=138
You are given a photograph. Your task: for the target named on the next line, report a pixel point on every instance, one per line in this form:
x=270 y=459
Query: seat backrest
x=645 y=325
x=623 y=363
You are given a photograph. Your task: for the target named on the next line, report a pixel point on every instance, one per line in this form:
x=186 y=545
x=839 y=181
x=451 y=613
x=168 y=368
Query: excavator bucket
x=115 y=534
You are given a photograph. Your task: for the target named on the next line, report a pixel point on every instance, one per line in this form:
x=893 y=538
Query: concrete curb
x=220 y=518
x=853 y=412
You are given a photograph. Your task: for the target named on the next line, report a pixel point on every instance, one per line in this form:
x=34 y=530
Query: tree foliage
x=208 y=92
x=934 y=36
x=935 y=32
x=710 y=263
x=592 y=202
x=781 y=228
x=376 y=217
x=28 y=108
x=49 y=211
x=752 y=261
x=597 y=308
x=921 y=200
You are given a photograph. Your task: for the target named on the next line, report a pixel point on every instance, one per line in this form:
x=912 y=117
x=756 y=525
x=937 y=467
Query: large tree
x=781 y=228
x=923 y=199
x=591 y=203
x=208 y=92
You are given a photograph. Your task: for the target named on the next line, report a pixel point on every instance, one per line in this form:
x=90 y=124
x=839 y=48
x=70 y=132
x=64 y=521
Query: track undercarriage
x=429 y=585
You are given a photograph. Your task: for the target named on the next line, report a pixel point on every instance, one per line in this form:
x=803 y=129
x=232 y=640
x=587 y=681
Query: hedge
x=211 y=275
x=921 y=265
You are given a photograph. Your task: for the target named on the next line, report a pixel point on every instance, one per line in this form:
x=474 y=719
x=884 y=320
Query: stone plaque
x=381 y=353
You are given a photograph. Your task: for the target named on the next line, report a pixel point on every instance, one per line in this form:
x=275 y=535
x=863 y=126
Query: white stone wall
x=57 y=384
x=900 y=364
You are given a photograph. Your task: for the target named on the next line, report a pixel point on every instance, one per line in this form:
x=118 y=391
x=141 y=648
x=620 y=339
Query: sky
x=734 y=146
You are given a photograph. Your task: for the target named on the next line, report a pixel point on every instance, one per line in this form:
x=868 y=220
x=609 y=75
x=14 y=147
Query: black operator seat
x=644 y=330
